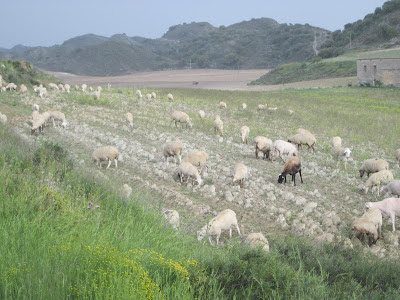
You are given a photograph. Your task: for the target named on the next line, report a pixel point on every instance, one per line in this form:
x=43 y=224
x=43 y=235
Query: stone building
x=384 y=70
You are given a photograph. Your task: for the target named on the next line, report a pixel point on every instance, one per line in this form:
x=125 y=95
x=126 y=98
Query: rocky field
x=322 y=208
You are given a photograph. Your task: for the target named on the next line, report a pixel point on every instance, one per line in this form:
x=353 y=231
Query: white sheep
x=223 y=221
x=3 y=119
x=84 y=87
x=292 y=167
x=53 y=86
x=187 y=170
x=284 y=148
x=129 y=118
x=244 y=134
x=3 y=89
x=38 y=123
x=139 y=94
x=11 y=86
x=303 y=139
x=106 y=153
x=336 y=141
x=97 y=94
x=218 y=125
x=148 y=96
x=61 y=87
x=262 y=107
x=202 y=114
x=240 y=174
x=265 y=145
x=303 y=131
x=378 y=178
x=373 y=165
x=257 y=239
x=244 y=106
x=58 y=118
x=172 y=216
x=389 y=207
x=23 y=89
x=99 y=88
x=153 y=95
x=170 y=97
x=222 y=105
x=339 y=153
x=272 y=108
x=174 y=149
x=181 y=117
x=198 y=159
x=397 y=155
x=370 y=223
x=67 y=88
x=392 y=187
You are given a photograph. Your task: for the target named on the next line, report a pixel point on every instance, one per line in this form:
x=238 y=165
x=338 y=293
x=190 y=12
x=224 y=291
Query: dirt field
x=207 y=79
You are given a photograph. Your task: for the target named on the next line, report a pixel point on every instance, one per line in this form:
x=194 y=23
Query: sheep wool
x=265 y=145
x=181 y=117
x=244 y=106
x=173 y=149
x=202 y=114
x=292 y=167
x=373 y=165
x=187 y=170
x=218 y=125
x=336 y=141
x=58 y=117
x=240 y=174
x=303 y=131
x=378 y=178
x=257 y=239
x=284 y=148
x=3 y=119
x=222 y=104
x=244 y=134
x=370 y=223
x=303 y=139
x=106 y=153
x=198 y=159
x=170 y=97
x=129 y=118
x=392 y=188
x=339 y=153
x=389 y=207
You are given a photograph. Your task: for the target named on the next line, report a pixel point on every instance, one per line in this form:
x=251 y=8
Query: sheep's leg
x=313 y=147
x=301 y=177
x=294 y=179
x=256 y=152
x=179 y=158
x=109 y=163
x=393 y=217
x=116 y=163
x=209 y=239
x=238 y=230
x=230 y=232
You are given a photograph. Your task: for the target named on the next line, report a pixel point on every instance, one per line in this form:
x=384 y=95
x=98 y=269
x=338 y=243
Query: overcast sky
x=50 y=22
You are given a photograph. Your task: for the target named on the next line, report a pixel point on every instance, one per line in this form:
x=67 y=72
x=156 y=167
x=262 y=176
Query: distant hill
x=258 y=43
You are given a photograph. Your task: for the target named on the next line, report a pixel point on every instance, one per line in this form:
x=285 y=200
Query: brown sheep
x=292 y=166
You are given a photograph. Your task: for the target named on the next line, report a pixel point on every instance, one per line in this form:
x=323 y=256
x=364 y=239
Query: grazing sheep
x=240 y=174
x=303 y=131
x=397 y=155
x=223 y=221
x=153 y=95
x=265 y=145
x=244 y=134
x=3 y=119
x=378 y=178
x=172 y=216
x=244 y=106
x=67 y=88
x=38 y=123
x=336 y=141
x=129 y=118
x=339 y=153
x=58 y=117
x=389 y=207
x=42 y=91
x=391 y=188
x=106 y=153
x=61 y=87
x=186 y=169
x=139 y=94
x=181 y=117
x=90 y=88
x=53 y=86
x=84 y=87
x=303 y=139
x=97 y=94
x=99 y=88
x=218 y=125
x=202 y=114
x=373 y=165
x=291 y=167
x=283 y=147
x=11 y=86
x=257 y=239
x=262 y=107
x=170 y=97
x=222 y=104
x=198 y=159
x=370 y=223
x=23 y=89
x=174 y=149
x=148 y=96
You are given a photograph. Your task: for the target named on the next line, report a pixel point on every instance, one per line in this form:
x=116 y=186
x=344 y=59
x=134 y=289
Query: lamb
x=174 y=149
x=202 y=114
x=244 y=106
x=282 y=147
x=265 y=145
x=373 y=165
x=129 y=118
x=67 y=88
x=222 y=105
x=244 y=134
x=389 y=207
x=198 y=159
x=139 y=94
x=257 y=239
x=186 y=169
x=170 y=97
x=370 y=223
x=223 y=221
x=106 y=153
x=336 y=141
x=391 y=188
x=397 y=155
x=153 y=95
x=181 y=117
x=240 y=174
x=84 y=87
x=218 y=125
x=339 y=153
x=378 y=178
x=172 y=216
x=292 y=166
x=58 y=117
x=303 y=139
x=3 y=119
x=23 y=89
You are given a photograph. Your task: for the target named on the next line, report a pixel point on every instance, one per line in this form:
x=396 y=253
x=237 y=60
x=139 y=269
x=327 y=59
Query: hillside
x=259 y=43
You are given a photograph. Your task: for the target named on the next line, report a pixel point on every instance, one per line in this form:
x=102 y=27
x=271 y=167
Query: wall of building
x=386 y=70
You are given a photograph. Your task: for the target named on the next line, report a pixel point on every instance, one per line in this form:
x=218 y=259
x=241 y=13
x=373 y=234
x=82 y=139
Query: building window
x=365 y=68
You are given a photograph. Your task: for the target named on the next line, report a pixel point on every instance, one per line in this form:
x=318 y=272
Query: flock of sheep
x=192 y=165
